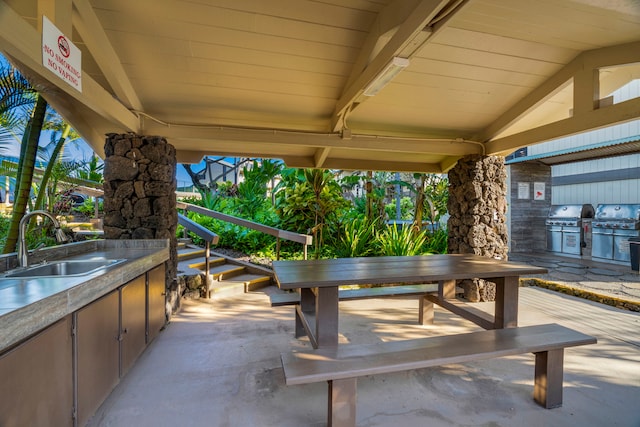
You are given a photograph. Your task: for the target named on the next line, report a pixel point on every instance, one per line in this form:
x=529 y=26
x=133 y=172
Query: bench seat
x=341 y=365
x=293 y=298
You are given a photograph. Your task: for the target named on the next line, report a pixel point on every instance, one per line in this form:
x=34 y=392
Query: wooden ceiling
x=285 y=78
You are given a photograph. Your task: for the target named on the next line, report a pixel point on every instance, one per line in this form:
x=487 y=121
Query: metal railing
x=305 y=239
x=209 y=237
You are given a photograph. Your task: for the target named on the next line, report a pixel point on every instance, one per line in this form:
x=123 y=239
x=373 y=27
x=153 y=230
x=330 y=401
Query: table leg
x=425 y=311
x=506 y=309
x=446 y=289
x=307 y=305
x=327 y=316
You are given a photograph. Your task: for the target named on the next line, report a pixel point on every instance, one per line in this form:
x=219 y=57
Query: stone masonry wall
x=140 y=192
x=477 y=207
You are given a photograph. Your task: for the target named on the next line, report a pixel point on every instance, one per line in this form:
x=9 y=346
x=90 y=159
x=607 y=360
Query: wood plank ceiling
x=285 y=78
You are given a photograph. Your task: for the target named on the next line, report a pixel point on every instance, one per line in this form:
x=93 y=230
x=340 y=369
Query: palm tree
x=26 y=166
x=16 y=96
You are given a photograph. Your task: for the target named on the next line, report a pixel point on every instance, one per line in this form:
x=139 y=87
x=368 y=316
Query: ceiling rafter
x=88 y=26
x=587 y=120
x=583 y=70
x=22 y=44
x=320 y=156
x=58 y=12
x=410 y=33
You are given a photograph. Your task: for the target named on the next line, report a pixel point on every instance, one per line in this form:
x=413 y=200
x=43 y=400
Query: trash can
x=634 y=253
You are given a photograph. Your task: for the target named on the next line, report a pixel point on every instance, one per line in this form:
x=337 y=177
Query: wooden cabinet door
x=36 y=380
x=157 y=301
x=98 y=353
x=133 y=326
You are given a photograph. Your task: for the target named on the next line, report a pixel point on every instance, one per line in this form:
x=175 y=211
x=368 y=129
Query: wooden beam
x=320 y=156
x=88 y=26
x=21 y=43
x=58 y=12
x=410 y=34
x=209 y=134
x=594 y=119
x=583 y=70
x=359 y=164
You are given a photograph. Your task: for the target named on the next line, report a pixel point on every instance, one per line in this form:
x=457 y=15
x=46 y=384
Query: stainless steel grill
x=613 y=226
x=565 y=233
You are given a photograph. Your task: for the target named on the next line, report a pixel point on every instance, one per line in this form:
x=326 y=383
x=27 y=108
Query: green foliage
x=406 y=209
x=88 y=207
x=401 y=241
x=234 y=236
x=357 y=238
x=311 y=203
x=436 y=242
x=90 y=170
x=5 y=221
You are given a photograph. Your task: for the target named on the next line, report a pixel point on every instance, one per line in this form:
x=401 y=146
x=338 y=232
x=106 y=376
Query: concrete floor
x=217 y=364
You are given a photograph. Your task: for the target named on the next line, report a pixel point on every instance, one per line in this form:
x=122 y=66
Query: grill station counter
x=613 y=226
x=565 y=232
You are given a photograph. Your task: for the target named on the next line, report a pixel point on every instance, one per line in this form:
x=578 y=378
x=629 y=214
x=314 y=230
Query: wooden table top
x=394 y=269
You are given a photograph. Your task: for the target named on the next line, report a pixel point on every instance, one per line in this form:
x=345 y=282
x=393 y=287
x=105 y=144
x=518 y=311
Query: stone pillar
x=477 y=207
x=140 y=193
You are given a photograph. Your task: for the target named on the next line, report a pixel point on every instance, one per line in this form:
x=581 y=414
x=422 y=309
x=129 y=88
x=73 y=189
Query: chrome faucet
x=23 y=253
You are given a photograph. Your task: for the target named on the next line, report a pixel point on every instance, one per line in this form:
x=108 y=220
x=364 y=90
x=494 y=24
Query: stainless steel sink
x=65 y=268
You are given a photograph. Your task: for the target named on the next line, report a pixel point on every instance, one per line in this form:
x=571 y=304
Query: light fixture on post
x=396 y=65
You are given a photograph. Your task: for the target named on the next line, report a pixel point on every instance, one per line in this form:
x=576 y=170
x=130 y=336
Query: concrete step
x=250 y=282
x=200 y=264
x=228 y=276
x=225 y=271
x=189 y=253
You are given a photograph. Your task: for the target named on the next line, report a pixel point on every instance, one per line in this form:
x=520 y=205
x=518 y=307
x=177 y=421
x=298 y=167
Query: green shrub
x=437 y=242
x=400 y=241
x=356 y=239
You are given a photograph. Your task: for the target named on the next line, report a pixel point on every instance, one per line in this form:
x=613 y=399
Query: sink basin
x=65 y=268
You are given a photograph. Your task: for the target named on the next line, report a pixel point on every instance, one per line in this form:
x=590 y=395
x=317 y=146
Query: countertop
x=28 y=305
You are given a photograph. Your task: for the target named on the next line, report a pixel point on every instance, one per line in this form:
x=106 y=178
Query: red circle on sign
x=63 y=45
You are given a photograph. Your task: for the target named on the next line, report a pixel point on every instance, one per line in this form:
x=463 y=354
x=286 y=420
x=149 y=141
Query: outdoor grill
x=565 y=233
x=613 y=226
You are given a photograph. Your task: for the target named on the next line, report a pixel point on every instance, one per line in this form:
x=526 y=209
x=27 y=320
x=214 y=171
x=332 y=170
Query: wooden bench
x=342 y=365
x=425 y=311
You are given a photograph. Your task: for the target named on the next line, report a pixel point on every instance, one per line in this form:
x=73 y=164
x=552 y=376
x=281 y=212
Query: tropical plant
x=52 y=163
x=88 y=207
x=401 y=241
x=357 y=238
x=252 y=191
x=310 y=202
x=17 y=98
x=436 y=242
x=91 y=170
x=431 y=195
x=28 y=152
x=407 y=209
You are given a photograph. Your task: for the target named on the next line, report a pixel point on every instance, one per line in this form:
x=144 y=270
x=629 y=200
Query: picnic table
x=318 y=282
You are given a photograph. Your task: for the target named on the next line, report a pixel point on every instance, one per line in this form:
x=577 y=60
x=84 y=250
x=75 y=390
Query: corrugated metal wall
x=604 y=191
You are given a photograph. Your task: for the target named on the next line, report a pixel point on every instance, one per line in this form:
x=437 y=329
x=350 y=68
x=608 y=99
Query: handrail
x=209 y=238
x=304 y=239
x=202 y=232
